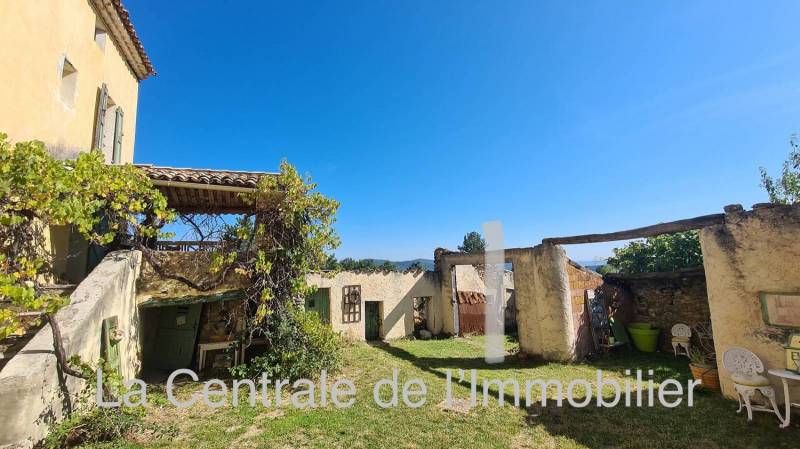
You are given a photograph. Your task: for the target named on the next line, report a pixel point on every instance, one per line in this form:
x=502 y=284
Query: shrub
x=785 y=189
x=301 y=346
x=100 y=425
x=667 y=252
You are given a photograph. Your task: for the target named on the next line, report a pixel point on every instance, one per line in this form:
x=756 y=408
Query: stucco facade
x=45 y=34
x=752 y=252
x=395 y=291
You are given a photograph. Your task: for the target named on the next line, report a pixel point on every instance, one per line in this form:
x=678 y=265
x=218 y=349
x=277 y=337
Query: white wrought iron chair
x=745 y=369
x=681 y=339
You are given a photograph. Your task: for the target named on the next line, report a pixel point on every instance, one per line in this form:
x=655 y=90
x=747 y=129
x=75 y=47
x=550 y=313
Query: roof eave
x=117 y=20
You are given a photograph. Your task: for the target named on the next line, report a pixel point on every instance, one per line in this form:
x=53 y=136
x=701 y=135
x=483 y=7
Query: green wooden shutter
x=109 y=344
x=102 y=105
x=117 y=154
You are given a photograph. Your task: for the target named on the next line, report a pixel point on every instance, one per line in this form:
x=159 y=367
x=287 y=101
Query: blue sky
x=428 y=118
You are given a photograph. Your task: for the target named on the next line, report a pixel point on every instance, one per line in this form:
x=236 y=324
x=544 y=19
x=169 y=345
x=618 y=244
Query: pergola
x=204 y=191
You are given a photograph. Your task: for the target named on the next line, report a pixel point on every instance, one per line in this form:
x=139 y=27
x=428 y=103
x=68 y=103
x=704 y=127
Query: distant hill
x=591 y=264
x=403 y=264
x=428 y=263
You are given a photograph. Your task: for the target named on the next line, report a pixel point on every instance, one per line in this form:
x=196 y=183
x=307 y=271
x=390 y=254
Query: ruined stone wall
x=669 y=301
x=394 y=290
x=553 y=303
x=752 y=252
x=580 y=280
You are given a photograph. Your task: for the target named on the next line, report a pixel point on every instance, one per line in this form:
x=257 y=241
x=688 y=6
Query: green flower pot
x=644 y=336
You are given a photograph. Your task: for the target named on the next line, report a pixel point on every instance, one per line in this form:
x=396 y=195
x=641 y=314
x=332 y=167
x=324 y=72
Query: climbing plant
x=101 y=202
x=289 y=235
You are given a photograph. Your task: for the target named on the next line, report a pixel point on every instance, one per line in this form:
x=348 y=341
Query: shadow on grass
x=710 y=422
x=432 y=364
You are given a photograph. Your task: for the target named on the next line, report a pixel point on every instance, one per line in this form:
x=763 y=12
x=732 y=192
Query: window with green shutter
x=117 y=154
x=102 y=105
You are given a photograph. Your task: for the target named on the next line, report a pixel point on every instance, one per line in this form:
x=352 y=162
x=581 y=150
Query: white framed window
x=100 y=34
x=69 y=83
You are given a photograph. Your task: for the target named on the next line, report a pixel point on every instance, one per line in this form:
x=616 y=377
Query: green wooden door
x=177 y=332
x=320 y=302
x=372 y=320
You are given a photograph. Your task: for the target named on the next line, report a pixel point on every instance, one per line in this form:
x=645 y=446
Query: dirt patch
x=245 y=439
x=460 y=406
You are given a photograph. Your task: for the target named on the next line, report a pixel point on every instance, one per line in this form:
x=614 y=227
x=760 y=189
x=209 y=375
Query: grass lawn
x=711 y=423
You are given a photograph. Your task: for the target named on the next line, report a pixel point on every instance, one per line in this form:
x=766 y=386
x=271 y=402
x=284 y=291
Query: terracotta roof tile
x=228 y=178
x=467 y=297
x=132 y=49
x=126 y=20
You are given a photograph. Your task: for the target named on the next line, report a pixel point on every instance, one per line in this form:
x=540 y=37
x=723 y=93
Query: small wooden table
x=205 y=347
x=786 y=376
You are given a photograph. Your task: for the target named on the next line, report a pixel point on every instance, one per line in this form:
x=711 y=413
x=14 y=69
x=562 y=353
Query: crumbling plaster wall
x=542 y=297
x=752 y=252
x=30 y=396
x=580 y=280
x=395 y=290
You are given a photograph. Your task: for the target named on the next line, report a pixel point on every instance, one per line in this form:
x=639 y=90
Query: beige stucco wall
x=395 y=290
x=36 y=36
x=752 y=252
x=29 y=391
x=542 y=291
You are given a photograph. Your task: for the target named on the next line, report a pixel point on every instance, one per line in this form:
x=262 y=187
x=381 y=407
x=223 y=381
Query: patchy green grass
x=711 y=423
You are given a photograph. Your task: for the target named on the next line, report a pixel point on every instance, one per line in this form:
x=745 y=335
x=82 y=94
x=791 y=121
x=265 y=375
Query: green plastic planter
x=644 y=336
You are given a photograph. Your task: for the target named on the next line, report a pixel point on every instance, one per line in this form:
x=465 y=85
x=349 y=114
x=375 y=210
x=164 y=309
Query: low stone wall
x=30 y=396
x=666 y=299
x=752 y=252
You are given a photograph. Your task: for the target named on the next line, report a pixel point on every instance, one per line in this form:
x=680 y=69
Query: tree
x=667 y=252
x=416 y=266
x=786 y=189
x=350 y=264
x=473 y=243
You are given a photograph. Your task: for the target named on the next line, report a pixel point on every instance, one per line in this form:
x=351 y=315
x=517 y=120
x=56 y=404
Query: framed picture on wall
x=781 y=309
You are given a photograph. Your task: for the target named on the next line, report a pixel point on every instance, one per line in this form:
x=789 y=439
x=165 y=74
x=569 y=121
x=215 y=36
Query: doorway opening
x=373 y=323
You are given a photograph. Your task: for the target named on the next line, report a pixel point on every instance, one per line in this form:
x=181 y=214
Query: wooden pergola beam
x=689 y=224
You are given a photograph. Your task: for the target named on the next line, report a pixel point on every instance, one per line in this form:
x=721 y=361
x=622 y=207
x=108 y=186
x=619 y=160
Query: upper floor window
x=69 y=83
x=108 y=127
x=100 y=34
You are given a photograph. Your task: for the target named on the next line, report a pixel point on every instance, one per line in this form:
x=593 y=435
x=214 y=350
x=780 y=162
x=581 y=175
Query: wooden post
x=647 y=231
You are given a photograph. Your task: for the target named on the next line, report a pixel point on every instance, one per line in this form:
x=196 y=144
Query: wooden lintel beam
x=647 y=231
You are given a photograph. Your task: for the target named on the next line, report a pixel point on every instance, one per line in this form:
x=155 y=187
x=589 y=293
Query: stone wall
x=394 y=290
x=542 y=297
x=752 y=252
x=580 y=280
x=666 y=299
x=30 y=396
x=193 y=265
